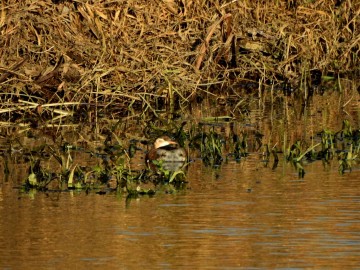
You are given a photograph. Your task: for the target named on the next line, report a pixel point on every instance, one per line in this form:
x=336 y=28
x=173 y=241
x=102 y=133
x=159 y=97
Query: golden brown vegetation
x=114 y=52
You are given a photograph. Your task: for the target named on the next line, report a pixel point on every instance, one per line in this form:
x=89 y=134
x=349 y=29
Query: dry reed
x=115 y=53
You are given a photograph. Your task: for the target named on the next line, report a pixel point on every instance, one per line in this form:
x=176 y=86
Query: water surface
x=240 y=216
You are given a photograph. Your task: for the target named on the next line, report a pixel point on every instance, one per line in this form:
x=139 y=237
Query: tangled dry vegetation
x=113 y=53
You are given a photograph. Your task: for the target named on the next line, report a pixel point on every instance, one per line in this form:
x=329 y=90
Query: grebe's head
x=163 y=141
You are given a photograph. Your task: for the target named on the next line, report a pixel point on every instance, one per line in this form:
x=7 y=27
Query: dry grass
x=115 y=53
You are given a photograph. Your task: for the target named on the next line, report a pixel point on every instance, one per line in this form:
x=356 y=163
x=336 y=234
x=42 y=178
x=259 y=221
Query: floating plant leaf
x=32 y=179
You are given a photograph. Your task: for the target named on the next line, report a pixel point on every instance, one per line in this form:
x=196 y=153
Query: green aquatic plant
x=240 y=146
x=310 y=154
x=211 y=148
x=125 y=177
x=296 y=155
x=348 y=134
x=346 y=130
x=294 y=151
x=347 y=159
x=266 y=155
x=165 y=174
x=132 y=148
x=70 y=181
x=38 y=178
x=63 y=156
x=274 y=151
x=300 y=169
x=350 y=139
x=327 y=145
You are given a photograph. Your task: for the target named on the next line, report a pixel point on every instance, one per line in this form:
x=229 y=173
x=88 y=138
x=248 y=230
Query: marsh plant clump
x=115 y=172
x=343 y=145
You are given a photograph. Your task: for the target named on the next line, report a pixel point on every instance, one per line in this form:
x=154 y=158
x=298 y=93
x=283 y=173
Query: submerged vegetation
x=116 y=172
x=99 y=80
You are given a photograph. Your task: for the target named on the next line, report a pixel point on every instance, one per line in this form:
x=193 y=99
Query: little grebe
x=169 y=151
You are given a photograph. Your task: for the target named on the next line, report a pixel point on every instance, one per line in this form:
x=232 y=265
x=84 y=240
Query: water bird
x=168 y=152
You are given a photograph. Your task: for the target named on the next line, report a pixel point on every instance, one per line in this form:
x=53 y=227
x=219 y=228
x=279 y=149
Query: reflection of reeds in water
x=113 y=170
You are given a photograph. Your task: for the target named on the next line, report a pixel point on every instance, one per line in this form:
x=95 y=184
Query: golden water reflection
x=240 y=216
